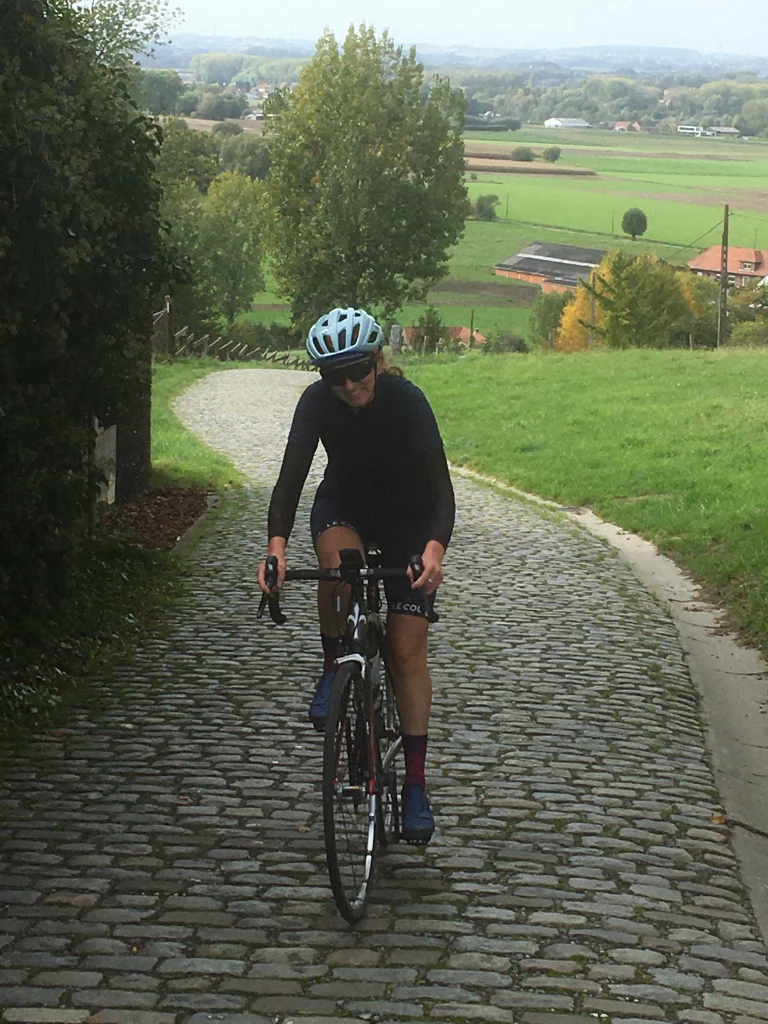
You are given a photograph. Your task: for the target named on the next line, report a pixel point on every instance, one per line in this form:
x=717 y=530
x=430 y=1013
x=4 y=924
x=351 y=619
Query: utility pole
x=722 y=313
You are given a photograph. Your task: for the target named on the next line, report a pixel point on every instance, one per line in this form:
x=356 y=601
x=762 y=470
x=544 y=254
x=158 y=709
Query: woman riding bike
x=386 y=482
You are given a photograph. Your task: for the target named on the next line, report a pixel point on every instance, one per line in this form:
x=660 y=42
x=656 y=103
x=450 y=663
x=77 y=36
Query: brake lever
x=271 y=599
x=417 y=568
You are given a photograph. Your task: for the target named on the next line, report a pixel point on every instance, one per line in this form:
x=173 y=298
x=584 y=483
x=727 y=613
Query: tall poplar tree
x=366 y=178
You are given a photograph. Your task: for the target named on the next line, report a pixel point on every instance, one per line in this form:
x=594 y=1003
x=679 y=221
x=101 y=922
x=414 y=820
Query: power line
x=693 y=244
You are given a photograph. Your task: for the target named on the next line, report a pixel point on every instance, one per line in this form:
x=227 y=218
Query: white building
x=566 y=122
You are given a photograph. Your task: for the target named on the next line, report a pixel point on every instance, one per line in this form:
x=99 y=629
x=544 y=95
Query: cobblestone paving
x=162 y=862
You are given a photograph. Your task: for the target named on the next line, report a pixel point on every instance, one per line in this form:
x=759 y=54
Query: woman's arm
x=438 y=477
x=285 y=497
x=441 y=492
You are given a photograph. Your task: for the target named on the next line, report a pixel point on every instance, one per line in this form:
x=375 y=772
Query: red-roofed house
x=743 y=264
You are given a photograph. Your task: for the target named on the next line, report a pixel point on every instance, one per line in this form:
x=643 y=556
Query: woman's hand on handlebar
x=432 y=576
x=276 y=548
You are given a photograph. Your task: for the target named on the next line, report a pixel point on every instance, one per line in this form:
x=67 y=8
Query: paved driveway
x=162 y=863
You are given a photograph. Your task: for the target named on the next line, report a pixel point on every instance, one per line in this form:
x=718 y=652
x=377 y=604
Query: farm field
x=680 y=182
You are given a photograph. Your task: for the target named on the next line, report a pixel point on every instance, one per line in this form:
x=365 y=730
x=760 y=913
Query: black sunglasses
x=337 y=375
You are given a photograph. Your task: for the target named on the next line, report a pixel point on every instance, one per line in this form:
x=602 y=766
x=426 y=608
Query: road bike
x=362 y=742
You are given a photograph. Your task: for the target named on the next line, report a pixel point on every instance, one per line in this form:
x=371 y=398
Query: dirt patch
x=200 y=124
x=519 y=294
x=502 y=166
x=157 y=518
x=660 y=154
x=746 y=200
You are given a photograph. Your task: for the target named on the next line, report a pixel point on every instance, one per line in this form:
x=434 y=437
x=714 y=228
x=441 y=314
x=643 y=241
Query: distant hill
x=640 y=59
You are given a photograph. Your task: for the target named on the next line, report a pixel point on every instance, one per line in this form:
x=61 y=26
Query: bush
x=274 y=337
x=227 y=128
x=524 y=154
x=498 y=344
x=552 y=154
x=753 y=334
x=485 y=207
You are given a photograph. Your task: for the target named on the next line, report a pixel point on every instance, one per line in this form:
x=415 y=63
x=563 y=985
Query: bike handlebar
x=350 y=571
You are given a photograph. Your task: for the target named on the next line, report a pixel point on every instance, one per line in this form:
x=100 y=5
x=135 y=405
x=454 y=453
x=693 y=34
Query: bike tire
x=350 y=814
x=389 y=743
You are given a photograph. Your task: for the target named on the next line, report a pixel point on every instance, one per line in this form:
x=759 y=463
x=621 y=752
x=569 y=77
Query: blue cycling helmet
x=343 y=336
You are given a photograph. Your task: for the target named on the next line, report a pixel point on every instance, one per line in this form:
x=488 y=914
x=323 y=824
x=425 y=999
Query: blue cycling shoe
x=416 y=817
x=318 y=709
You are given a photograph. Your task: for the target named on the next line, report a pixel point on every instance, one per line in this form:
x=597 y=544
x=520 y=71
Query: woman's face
x=356 y=393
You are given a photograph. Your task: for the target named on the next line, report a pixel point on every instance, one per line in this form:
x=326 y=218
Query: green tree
x=80 y=254
x=524 y=154
x=218 y=105
x=157 y=92
x=552 y=154
x=217 y=68
x=246 y=154
x=546 y=313
x=366 y=182
x=430 y=332
x=187 y=154
x=121 y=29
x=634 y=222
x=228 y=248
x=641 y=302
x=485 y=207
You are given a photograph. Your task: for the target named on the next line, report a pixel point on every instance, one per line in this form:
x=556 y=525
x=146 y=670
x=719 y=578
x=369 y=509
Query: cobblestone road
x=162 y=863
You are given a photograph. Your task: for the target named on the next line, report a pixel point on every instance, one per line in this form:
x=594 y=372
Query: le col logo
x=401 y=606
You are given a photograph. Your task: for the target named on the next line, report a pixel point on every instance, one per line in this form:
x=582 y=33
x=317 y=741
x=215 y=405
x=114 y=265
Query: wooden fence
x=169 y=342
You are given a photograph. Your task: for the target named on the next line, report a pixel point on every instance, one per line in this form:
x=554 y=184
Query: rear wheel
x=349 y=799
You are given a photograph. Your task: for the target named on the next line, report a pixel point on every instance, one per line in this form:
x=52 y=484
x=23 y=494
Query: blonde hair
x=383 y=367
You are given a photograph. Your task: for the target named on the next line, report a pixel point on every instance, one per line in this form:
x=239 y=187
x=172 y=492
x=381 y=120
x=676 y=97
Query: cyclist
x=386 y=481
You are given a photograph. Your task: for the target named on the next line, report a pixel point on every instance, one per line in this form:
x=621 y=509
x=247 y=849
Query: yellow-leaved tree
x=629 y=302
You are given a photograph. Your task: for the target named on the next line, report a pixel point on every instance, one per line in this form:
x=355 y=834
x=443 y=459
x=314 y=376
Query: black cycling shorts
x=397 y=542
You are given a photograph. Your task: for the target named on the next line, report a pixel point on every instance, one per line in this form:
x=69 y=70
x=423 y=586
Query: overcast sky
x=710 y=26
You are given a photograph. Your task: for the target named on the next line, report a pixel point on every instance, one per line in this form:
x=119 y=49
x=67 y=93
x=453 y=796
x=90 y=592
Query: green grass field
x=680 y=182
x=671 y=445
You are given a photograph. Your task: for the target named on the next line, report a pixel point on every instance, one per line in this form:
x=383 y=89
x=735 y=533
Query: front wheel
x=389 y=747
x=349 y=797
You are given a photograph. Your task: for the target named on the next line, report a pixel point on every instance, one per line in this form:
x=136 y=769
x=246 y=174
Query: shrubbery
x=503 y=342
x=485 y=207
x=79 y=214
x=751 y=333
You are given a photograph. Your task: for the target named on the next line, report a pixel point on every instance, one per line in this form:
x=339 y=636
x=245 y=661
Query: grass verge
x=178 y=457
x=670 y=445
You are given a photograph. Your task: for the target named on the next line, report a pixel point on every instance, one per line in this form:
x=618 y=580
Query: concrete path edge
x=731 y=679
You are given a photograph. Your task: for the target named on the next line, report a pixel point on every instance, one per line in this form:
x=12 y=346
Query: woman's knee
x=332 y=541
